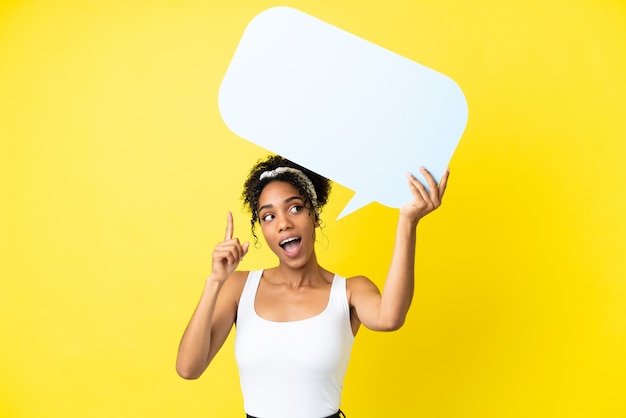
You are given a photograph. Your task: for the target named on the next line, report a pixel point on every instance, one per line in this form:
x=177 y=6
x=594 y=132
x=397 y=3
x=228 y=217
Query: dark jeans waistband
x=338 y=414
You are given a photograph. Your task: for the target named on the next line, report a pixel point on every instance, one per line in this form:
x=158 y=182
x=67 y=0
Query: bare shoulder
x=233 y=286
x=357 y=285
x=363 y=294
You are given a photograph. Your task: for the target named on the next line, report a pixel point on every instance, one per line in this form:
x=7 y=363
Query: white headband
x=301 y=176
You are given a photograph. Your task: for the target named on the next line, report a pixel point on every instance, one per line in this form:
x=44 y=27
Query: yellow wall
x=116 y=172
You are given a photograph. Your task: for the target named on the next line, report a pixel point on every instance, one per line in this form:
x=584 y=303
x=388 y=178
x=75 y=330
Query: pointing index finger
x=229 y=227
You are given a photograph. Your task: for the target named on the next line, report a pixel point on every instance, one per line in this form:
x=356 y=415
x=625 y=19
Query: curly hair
x=254 y=185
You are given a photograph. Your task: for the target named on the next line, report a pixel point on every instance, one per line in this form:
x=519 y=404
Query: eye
x=296 y=209
x=267 y=217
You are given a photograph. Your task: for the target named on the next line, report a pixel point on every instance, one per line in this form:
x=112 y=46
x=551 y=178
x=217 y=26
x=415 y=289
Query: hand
x=424 y=201
x=228 y=253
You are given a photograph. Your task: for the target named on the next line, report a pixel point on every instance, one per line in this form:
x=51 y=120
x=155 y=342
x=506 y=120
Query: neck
x=309 y=274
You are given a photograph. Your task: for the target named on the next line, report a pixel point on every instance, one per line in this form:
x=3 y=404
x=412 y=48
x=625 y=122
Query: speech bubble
x=348 y=109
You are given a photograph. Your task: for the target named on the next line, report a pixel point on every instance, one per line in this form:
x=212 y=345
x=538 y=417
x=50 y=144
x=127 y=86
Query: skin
x=298 y=287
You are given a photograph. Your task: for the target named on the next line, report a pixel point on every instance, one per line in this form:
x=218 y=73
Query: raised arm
x=216 y=311
x=388 y=311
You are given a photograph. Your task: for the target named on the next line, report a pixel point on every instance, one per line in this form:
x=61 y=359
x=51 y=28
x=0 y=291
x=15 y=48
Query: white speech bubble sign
x=348 y=109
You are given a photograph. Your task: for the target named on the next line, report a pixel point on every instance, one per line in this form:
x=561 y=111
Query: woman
x=296 y=322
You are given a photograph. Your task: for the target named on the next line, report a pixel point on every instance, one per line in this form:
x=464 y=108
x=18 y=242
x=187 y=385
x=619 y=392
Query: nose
x=284 y=223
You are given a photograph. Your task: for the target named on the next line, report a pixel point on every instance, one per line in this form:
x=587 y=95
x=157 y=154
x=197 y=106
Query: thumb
x=245 y=246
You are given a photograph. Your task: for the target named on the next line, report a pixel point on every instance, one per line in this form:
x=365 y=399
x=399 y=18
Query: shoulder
x=233 y=286
x=359 y=285
x=357 y=282
x=239 y=277
x=363 y=296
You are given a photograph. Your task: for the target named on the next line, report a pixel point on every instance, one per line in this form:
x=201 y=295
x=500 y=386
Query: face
x=287 y=224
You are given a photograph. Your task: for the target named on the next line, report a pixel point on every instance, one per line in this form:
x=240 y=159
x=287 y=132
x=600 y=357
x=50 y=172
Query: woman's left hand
x=424 y=201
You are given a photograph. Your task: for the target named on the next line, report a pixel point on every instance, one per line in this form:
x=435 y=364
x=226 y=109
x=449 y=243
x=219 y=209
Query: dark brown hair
x=254 y=185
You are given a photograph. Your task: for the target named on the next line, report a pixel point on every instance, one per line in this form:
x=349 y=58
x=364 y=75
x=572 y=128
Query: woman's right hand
x=227 y=254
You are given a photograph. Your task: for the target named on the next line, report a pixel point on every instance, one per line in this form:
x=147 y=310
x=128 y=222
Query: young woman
x=296 y=322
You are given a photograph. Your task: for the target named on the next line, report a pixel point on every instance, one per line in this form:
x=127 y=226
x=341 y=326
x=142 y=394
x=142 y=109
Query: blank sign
x=342 y=106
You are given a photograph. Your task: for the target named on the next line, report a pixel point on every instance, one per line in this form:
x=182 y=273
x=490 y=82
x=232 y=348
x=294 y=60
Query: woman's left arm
x=388 y=311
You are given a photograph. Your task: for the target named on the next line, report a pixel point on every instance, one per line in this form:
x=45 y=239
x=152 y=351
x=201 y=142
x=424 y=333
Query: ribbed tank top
x=293 y=369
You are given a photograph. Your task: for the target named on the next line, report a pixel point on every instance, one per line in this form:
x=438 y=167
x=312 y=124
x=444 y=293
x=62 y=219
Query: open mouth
x=290 y=244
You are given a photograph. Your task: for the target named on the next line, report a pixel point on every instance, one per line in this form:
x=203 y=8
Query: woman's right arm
x=216 y=312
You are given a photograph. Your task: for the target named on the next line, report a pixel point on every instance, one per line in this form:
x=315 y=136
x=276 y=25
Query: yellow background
x=116 y=172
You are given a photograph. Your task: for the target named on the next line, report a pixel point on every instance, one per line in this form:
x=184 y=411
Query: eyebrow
x=289 y=199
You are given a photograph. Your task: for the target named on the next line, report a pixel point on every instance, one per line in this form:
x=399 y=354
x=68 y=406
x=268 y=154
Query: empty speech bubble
x=350 y=110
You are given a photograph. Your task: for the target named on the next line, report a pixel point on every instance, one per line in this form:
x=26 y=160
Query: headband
x=299 y=174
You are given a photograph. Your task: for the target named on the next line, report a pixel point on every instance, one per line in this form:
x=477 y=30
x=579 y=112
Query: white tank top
x=293 y=369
